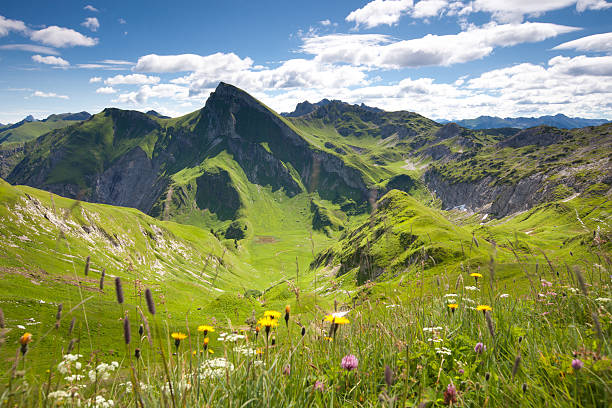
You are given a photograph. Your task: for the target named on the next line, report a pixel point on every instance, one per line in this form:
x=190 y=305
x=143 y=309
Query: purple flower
x=479 y=348
x=461 y=372
x=319 y=386
x=450 y=395
x=546 y=283
x=287 y=370
x=577 y=364
x=349 y=362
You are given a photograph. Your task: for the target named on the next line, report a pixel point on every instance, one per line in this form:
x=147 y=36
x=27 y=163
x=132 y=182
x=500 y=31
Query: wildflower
x=453 y=306
x=476 y=275
x=472 y=288
x=484 y=308
x=141 y=330
x=450 y=395
x=319 y=386
x=450 y=295
x=178 y=336
x=267 y=323
x=303 y=331
x=206 y=329
x=443 y=351
x=461 y=371
x=272 y=314
x=273 y=341
x=287 y=370
x=504 y=295
x=545 y=283
x=24 y=341
x=480 y=348
x=577 y=364
x=137 y=353
x=287 y=312
x=432 y=329
x=349 y=362
x=206 y=341
x=487 y=376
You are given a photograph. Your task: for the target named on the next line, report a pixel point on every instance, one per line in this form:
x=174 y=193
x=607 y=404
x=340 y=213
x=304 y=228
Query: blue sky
x=441 y=58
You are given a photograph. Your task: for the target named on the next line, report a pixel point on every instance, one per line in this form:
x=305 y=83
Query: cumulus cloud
x=592 y=43
x=41 y=94
x=106 y=90
x=516 y=10
x=218 y=62
x=582 y=65
x=8 y=25
x=133 y=79
x=379 y=12
x=145 y=92
x=92 y=23
x=428 y=8
x=382 y=51
x=30 y=48
x=50 y=60
x=94 y=80
x=91 y=8
x=62 y=37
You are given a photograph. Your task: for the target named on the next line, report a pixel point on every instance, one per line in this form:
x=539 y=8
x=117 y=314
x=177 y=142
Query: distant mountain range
x=30 y=128
x=559 y=121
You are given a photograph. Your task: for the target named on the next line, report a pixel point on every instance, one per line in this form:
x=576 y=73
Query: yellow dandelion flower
x=267 y=322
x=211 y=351
x=178 y=336
x=476 y=275
x=453 y=306
x=484 y=308
x=328 y=338
x=206 y=341
x=272 y=314
x=341 y=320
x=206 y=329
x=25 y=339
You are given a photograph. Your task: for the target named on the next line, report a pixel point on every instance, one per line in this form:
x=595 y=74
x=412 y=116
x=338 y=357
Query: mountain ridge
x=559 y=120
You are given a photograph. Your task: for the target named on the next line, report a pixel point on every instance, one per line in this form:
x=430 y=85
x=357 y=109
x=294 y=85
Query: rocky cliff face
x=9 y=158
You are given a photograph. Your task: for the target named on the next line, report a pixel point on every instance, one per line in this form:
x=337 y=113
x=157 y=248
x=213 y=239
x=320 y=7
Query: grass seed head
x=127 y=332
x=150 y=303
x=119 y=290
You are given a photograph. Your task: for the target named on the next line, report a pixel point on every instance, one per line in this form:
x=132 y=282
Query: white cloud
x=122 y=21
x=381 y=51
x=145 y=92
x=582 y=65
x=325 y=23
x=50 y=60
x=106 y=90
x=30 y=48
x=49 y=95
x=133 y=79
x=428 y=8
x=593 y=43
x=116 y=62
x=92 y=23
x=8 y=25
x=62 y=37
x=89 y=7
x=94 y=80
x=514 y=11
x=583 y=5
x=218 y=62
x=379 y=12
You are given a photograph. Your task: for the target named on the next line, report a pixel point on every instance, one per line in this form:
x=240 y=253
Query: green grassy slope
x=31 y=130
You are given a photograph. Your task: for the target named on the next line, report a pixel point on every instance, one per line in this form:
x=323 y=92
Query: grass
x=410 y=349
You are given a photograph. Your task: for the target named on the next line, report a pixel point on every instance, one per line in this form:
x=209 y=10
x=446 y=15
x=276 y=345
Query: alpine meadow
x=386 y=203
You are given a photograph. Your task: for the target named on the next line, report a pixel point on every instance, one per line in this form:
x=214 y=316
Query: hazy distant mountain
x=559 y=120
x=68 y=116
x=304 y=108
x=30 y=128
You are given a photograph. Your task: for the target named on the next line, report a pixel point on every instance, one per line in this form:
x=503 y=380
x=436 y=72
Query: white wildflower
x=245 y=351
x=472 y=288
x=603 y=300
x=504 y=295
x=74 y=377
x=443 y=350
x=432 y=329
x=231 y=337
x=100 y=402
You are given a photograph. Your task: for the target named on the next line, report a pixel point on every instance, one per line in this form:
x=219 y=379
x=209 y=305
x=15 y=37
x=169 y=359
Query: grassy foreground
x=549 y=347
